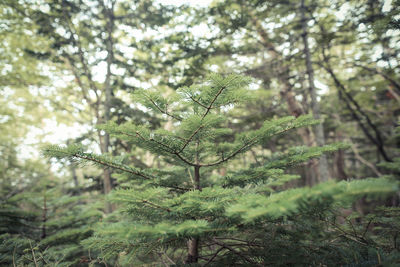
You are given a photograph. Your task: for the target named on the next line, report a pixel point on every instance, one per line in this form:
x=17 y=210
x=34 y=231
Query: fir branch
x=197 y=102
x=214 y=256
x=208 y=108
x=229 y=157
x=113 y=165
x=74 y=152
x=172 y=151
x=249 y=144
x=155 y=205
x=190 y=138
x=163 y=111
x=236 y=252
x=167 y=148
x=212 y=102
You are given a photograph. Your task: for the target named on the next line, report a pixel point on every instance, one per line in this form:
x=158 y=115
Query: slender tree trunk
x=197 y=178
x=193 y=251
x=193 y=243
x=318 y=129
x=98 y=105
x=340 y=163
x=44 y=217
x=358 y=114
x=107 y=186
x=108 y=11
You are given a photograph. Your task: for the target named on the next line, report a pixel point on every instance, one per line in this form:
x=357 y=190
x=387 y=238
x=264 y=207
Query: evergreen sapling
x=187 y=208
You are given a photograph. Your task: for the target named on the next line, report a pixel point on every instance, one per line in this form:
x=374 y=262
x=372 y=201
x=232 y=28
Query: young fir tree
x=187 y=213
x=42 y=224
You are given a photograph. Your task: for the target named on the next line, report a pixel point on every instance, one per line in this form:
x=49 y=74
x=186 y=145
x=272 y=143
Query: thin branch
x=378 y=139
x=168 y=258
x=155 y=205
x=214 y=256
x=190 y=138
x=366 y=228
x=121 y=168
x=77 y=43
x=362 y=160
x=33 y=254
x=163 y=111
x=215 y=98
x=208 y=108
x=385 y=76
x=70 y=62
x=111 y=165
x=167 y=148
x=197 y=102
x=236 y=252
x=245 y=146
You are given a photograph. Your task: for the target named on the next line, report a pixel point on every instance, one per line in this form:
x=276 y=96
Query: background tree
x=89 y=42
x=264 y=40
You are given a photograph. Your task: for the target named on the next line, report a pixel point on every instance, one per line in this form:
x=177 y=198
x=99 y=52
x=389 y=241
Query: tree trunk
x=108 y=92
x=193 y=243
x=340 y=163
x=107 y=186
x=44 y=217
x=318 y=129
x=193 y=251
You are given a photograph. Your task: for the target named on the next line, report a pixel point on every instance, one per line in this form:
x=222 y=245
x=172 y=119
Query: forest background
x=69 y=66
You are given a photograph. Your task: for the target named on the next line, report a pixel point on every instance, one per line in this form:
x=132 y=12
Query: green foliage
x=217 y=173
x=159 y=209
x=254 y=207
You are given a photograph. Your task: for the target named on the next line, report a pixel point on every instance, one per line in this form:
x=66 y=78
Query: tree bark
x=197 y=178
x=108 y=12
x=193 y=243
x=340 y=163
x=193 y=251
x=318 y=129
x=44 y=217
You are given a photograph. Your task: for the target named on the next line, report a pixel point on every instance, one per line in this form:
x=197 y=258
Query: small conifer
x=186 y=207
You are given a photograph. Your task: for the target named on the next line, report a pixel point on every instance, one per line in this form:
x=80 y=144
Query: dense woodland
x=209 y=133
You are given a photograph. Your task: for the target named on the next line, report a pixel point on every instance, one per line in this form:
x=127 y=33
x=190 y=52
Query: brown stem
x=197 y=178
x=348 y=99
x=236 y=252
x=362 y=160
x=163 y=111
x=323 y=174
x=44 y=217
x=377 y=140
x=381 y=73
x=193 y=251
x=109 y=14
x=193 y=243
